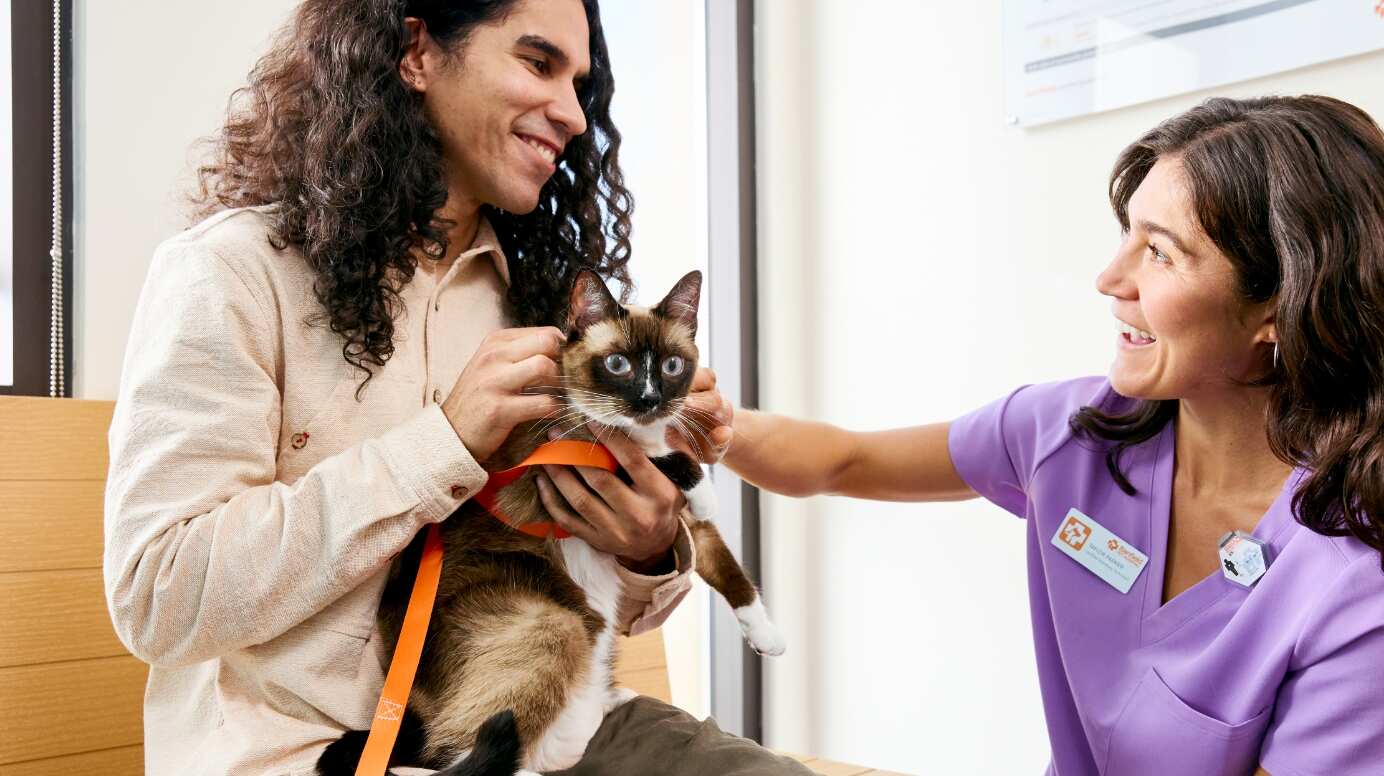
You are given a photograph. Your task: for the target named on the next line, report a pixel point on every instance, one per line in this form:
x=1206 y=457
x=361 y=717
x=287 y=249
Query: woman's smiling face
x=1183 y=328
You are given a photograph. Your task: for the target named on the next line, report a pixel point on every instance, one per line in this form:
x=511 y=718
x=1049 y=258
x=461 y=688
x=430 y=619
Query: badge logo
x=1075 y=533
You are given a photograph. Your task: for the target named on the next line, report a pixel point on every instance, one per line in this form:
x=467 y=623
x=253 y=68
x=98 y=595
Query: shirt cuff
x=429 y=457
x=646 y=602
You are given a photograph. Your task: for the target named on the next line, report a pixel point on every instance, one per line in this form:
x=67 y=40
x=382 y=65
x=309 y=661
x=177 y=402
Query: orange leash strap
x=569 y=452
x=389 y=713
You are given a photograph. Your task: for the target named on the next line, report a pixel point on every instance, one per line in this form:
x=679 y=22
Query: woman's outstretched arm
x=805 y=458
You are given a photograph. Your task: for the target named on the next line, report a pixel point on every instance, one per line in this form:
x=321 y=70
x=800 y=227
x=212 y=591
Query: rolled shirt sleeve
x=646 y=602
x=205 y=552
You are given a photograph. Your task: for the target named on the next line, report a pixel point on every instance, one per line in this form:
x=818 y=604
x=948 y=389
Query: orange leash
x=389 y=712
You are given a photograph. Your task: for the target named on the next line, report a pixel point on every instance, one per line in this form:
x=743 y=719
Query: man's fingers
x=518 y=409
x=629 y=455
x=559 y=511
x=534 y=371
x=546 y=341
x=609 y=487
x=585 y=503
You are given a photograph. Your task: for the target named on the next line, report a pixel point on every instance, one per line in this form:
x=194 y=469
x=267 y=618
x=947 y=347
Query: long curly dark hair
x=327 y=132
x=1291 y=191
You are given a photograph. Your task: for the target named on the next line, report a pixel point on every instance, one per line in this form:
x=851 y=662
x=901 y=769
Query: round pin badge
x=1244 y=558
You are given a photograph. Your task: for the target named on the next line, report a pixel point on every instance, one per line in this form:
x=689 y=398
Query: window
x=35 y=322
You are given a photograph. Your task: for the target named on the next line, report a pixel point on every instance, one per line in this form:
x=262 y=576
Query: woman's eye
x=617 y=364
x=1158 y=256
x=672 y=366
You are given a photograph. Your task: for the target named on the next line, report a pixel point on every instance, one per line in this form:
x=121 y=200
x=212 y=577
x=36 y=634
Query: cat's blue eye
x=673 y=366
x=617 y=364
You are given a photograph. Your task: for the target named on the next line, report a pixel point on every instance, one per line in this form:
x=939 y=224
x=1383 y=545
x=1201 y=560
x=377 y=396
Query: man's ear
x=411 y=67
x=591 y=303
x=681 y=303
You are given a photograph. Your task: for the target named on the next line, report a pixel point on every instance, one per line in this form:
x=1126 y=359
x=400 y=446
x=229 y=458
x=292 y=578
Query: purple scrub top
x=1221 y=679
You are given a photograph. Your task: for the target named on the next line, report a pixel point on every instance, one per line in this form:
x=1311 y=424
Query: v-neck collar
x=1161 y=620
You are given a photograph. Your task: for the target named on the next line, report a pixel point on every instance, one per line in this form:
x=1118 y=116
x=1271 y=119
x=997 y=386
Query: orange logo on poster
x=1075 y=533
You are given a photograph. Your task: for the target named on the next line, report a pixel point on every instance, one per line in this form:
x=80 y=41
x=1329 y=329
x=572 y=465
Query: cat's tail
x=496 y=752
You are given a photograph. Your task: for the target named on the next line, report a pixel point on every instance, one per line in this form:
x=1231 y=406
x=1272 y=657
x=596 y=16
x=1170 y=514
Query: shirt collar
x=487 y=241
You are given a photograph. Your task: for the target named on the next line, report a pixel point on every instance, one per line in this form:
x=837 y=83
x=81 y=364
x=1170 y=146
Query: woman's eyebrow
x=1163 y=231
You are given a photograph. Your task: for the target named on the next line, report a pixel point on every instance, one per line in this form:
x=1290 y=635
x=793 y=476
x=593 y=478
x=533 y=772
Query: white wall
x=919 y=258
x=152 y=77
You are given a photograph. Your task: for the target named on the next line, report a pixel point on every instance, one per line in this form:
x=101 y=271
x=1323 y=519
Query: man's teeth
x=542 y=149
x=1137 y=334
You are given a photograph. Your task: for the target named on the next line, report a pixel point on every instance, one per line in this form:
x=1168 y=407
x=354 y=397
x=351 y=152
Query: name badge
x=1102 y=553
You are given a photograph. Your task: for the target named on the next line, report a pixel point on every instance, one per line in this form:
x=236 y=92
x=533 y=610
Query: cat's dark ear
x=591 y=303
x=681 y=303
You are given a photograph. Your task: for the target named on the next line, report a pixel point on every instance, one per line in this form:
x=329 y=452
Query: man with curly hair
x=318 y=367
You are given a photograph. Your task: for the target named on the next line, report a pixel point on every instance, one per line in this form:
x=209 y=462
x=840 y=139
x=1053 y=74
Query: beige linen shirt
x=253 y=505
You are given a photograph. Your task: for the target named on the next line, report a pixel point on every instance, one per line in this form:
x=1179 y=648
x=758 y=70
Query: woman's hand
x=494 y=392
x=706 y=417
x=636 y=523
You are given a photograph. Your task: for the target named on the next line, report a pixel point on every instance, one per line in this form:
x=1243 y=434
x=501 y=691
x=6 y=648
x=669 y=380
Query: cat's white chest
x=565 y=740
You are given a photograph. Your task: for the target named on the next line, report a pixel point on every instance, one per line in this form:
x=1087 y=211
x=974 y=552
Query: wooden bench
x=71 y=697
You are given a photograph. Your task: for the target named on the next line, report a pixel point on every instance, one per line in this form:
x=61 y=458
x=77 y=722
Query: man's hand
x=637 y=523
x=495 y=391
x=706 y=431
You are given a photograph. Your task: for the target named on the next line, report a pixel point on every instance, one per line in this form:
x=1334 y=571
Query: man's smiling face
x=506 y=104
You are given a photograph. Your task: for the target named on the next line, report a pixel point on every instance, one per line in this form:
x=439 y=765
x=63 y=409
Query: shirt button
x=437 y=396
x=459 y=492
x=300 y=440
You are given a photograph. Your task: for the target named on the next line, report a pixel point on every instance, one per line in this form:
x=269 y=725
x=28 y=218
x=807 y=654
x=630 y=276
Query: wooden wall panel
x=51 y=524
x=122 y=761
x=62 y=439
x=54 y=615
x=643 y=666
x=59 y=709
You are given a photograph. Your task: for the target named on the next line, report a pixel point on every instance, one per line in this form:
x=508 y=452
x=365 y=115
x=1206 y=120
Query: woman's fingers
x=703 y=380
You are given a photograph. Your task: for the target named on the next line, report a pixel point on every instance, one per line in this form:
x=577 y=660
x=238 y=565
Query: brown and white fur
x=516 y=667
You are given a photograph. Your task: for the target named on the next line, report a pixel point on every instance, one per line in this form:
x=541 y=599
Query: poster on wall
x=1066 y=58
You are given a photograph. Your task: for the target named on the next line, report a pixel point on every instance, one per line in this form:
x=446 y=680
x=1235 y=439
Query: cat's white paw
x=618 y=697
x=701 y=499
x=761 y=633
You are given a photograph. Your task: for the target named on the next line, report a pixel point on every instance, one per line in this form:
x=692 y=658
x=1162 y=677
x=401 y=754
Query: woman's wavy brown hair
x=1291 y=190
x=328 y=133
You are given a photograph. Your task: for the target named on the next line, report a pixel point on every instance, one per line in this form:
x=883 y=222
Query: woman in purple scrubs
x=1247 y=395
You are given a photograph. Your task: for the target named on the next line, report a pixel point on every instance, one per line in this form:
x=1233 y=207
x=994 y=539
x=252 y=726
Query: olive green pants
x=646 y=737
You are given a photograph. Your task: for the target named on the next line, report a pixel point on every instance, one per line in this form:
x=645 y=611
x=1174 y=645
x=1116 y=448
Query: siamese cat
x=516 y=671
